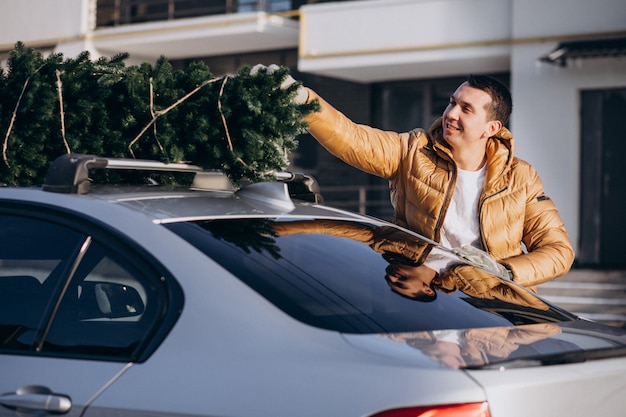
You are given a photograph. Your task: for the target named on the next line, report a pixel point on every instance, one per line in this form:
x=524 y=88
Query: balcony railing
x=122 y=12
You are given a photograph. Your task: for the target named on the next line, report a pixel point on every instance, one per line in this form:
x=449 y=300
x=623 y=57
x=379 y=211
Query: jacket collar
x=499 y=152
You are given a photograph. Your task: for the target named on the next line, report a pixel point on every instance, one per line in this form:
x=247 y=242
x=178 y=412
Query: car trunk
x=591 y=388
x=576 y=371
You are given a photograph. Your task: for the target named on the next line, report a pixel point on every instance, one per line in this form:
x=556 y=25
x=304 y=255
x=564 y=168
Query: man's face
x=465 y=120
x=410 y=281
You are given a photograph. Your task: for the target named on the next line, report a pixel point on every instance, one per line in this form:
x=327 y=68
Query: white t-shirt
x=460 y=226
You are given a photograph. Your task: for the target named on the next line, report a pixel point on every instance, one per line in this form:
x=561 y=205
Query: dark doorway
x=603 y=179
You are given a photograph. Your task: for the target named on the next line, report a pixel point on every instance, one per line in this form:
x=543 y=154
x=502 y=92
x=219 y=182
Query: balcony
x=124 y=12
x=184 y=29
x=373 y=41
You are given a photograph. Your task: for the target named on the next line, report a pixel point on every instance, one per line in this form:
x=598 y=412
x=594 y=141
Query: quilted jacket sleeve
x=372 y=150
x=550 y=253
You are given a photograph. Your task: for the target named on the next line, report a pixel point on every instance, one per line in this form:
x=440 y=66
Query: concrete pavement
x=594 y=294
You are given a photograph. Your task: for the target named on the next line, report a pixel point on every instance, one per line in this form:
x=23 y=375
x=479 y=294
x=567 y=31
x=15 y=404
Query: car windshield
x=353 y=276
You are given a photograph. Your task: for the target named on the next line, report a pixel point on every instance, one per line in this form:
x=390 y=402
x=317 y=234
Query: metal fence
x=372 y=200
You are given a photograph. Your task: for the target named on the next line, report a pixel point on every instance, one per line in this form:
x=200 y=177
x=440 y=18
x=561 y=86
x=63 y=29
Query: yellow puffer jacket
x=513 y=208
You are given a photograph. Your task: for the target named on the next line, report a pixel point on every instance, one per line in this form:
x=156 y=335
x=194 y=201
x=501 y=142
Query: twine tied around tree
x=5 y=143
x=155 y=114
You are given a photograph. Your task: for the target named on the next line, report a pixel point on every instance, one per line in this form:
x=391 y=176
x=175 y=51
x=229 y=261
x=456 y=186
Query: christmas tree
x=242 y=124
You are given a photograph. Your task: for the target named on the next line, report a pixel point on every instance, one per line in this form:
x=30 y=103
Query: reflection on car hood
x=505 y=347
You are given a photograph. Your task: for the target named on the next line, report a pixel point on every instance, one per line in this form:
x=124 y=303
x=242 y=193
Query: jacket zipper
x=480 y=215
x=446 y=203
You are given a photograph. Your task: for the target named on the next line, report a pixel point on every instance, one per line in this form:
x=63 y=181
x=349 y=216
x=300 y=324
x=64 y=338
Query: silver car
x=118 y=300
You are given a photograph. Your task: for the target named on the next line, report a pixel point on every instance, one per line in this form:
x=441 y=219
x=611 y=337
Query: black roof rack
x=69 y=174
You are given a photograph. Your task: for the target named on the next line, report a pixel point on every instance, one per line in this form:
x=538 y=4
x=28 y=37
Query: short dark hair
x=418 y=296
x=501 y=101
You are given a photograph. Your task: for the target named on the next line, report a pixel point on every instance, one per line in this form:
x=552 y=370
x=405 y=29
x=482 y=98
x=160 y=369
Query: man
x=459 y=183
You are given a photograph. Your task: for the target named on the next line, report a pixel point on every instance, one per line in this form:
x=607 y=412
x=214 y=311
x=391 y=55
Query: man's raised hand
x=302 y=94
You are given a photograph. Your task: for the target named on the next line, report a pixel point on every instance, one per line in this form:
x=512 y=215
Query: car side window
x=33 y=254
x=72 y=294
x=106 y=310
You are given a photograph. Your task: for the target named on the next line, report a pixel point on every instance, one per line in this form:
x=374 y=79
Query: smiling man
x=458 y=183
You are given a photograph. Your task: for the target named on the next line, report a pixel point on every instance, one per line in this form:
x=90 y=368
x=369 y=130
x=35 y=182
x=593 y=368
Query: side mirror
x=108 y=300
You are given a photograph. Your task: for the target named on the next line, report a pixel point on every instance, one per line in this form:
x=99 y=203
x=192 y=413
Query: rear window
x=335 y=275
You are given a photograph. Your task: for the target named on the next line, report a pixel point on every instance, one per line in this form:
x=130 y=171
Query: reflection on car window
x=33 y=255
x=107 y=309
x=332 y=274
x=478 y=347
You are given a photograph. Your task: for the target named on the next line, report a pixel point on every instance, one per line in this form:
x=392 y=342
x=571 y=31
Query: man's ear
x=494 y=127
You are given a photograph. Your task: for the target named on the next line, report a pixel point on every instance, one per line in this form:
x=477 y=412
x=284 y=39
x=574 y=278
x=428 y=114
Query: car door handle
x=36 y=398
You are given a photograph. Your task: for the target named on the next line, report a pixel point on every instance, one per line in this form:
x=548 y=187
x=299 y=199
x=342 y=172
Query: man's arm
x=369 y=149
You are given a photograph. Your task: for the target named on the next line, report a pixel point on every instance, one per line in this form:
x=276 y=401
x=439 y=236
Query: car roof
x=188 y=205
x=210 y=195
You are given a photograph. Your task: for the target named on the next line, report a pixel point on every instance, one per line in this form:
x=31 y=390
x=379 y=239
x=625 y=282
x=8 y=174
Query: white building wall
x=47 y=23
x=546 y=98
